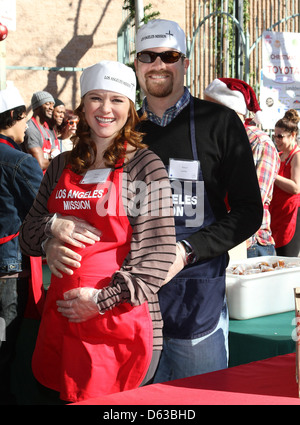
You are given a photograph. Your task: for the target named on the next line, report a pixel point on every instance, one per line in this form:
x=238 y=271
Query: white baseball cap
x=10 y=98
x=160 y=33
x=111 y=76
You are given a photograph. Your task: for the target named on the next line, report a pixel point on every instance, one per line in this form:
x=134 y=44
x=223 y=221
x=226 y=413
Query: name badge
x=183 y=169
x=96 y=176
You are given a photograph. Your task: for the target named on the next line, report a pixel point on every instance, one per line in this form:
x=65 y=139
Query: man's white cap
x=10 y=98
x=160 y=33
x=111 y=76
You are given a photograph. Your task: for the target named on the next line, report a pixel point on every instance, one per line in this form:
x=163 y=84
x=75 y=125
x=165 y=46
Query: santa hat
x=237 y=95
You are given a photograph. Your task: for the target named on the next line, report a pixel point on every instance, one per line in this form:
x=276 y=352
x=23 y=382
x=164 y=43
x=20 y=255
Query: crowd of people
x=135 y=212
x=49 y=129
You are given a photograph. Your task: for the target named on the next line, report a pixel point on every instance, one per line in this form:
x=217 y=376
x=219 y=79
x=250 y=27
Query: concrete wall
x=68 y=33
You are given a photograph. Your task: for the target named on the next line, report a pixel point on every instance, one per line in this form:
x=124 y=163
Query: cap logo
x=117 y=80
x=148 y=37
x=109 y=76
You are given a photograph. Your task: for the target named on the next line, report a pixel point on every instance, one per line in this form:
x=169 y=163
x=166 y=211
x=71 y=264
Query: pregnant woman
x=101 y=330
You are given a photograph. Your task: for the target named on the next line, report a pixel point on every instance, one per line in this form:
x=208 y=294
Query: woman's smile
x=106 y=112
x=105 y=121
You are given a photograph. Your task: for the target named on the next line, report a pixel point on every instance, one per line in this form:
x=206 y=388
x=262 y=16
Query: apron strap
x=292 y=154
x=47 y=144
x=6 y=141
x=193 y=135
x=192 y=129
x=6 y=239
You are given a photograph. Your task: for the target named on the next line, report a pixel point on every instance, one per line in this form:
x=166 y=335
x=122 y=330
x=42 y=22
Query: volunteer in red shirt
x=284 y=208
x=40 y=141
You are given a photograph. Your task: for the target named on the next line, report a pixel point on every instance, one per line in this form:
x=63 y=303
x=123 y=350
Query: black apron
x=191 y=302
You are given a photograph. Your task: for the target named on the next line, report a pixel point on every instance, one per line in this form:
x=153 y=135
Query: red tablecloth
x=270 y=381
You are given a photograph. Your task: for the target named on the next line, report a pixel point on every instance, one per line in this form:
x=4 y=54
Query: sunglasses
x=279 y=136
x=170 y=56
x=72 y=122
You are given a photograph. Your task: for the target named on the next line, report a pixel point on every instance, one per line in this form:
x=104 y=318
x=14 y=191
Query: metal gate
x=224 y=37
x=218 y=48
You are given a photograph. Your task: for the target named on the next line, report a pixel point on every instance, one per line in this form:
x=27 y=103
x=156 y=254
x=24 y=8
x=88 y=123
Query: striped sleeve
x=148 y=203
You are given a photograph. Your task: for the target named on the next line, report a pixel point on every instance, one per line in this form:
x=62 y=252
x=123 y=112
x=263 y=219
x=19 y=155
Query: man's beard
x=48 y=115
x=159 y=90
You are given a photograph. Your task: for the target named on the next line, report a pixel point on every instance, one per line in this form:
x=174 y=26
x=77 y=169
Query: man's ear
x=186 y=65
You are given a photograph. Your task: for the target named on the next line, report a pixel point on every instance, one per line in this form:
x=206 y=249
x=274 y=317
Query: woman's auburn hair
x=84 y=152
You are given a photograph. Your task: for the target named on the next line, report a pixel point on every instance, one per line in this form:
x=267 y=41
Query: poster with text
x=280 y=79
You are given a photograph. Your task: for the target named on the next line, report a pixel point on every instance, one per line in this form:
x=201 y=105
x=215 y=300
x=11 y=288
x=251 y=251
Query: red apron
x=36 y=294
x=108 y=353
x=284 y=208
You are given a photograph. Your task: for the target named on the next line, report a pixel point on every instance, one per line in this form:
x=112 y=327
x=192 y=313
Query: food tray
x=264 y=293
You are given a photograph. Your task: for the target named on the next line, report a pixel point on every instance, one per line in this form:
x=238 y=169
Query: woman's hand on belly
x=60 y=258
x=79 y=304
x=74 y=231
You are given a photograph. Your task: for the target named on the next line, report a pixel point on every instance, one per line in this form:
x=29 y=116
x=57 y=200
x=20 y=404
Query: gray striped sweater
x=148 y=203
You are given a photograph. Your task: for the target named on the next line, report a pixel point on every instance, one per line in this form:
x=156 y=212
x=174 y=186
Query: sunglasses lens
x=278 y=136
x=72 y=122
x=166 y=57
x=170 y=57
x=147 y=57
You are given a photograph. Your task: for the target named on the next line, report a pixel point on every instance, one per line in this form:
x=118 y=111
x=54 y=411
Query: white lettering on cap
x=117 y=80
x=161 y=33
x=158 y=36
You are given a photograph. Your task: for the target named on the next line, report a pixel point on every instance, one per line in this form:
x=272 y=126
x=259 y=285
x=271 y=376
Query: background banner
x=280 y=79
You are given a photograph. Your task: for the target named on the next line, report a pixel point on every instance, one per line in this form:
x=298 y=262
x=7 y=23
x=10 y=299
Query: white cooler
x=264 y=293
